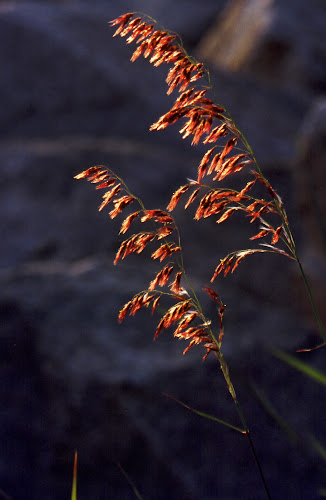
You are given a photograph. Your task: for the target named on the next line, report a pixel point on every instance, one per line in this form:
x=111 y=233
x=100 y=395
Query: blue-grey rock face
x=72 y=378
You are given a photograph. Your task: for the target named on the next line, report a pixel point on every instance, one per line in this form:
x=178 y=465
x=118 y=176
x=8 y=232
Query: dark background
x=70 y=376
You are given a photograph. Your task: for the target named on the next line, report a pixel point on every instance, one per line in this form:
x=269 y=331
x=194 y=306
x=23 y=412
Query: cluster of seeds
x=185 y=313
x=209 y=124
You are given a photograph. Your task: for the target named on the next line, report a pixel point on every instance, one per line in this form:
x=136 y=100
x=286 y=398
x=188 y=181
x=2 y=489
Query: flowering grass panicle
x=185 y=315
x=226 y=154
x=228 y=151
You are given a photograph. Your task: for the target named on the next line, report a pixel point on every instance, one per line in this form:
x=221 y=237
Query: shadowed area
x=71 y=376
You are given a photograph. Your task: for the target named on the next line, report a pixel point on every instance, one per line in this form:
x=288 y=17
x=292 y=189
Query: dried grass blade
x=130 y=482
x=270 y=410
x=74 y=479
x=206 y=415
x=301 y=366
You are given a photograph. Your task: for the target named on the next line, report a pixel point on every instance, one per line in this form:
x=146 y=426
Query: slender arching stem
x=312 y=302
x=226 y=375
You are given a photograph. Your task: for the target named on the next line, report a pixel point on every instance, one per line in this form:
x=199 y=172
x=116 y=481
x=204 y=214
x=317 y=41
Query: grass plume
x=227 y=153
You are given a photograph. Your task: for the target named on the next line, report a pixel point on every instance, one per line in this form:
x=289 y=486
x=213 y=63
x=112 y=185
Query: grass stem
x=226 y=375
x=312 y=302
x=253 y=449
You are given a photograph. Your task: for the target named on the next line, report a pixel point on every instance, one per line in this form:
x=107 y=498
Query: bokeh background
x=71 y=378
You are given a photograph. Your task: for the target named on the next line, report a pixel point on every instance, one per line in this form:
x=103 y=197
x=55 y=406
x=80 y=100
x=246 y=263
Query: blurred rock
x=311 y=177
x=280 y=41
x=73 y=378
x=23 y=401
x=311 y=202
x=101 y=391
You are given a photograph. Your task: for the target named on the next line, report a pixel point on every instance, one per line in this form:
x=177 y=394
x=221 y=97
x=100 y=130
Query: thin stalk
x=226 y=375
x=312 y=302
x=253 y=449
x=285 y=222
x=307 y=286
x=131 y=483
x=74 y=479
